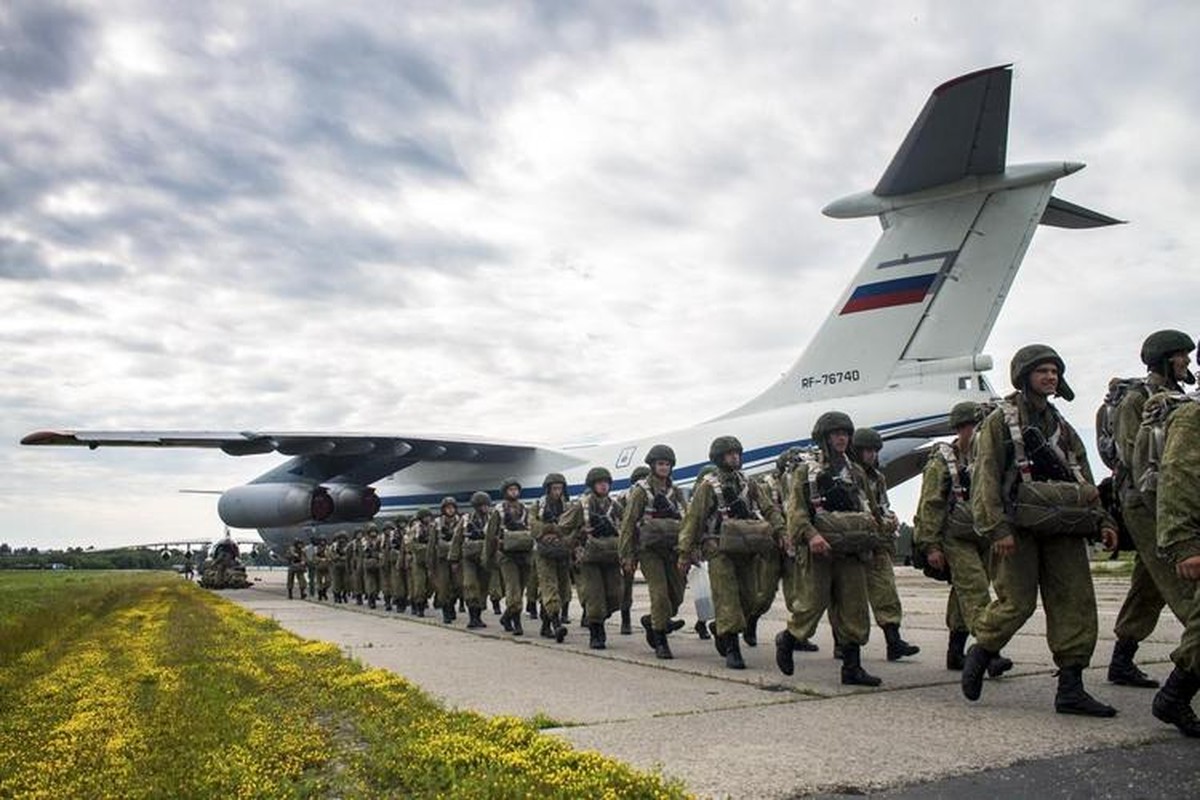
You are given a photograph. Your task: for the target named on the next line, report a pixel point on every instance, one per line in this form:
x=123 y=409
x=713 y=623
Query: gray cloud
x=22 y=261
x=43 y=48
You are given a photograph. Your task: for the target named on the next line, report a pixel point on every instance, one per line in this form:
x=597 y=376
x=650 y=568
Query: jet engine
x=352 y=503
x=274 y=505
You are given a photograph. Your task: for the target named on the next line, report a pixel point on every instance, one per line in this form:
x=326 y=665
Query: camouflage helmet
x=968 y=412
x=553 y=478
x=660 y=452
x=1161 y=344
x=597 y=474
x=480 y=499
x=705 y=471
x=867 y=439
x=829 y=422
x=448 y=501
x=424 y=513
x=722 y=445
x=1029 y=358
x=639 y=473
x=786 y=459
x=509 y=482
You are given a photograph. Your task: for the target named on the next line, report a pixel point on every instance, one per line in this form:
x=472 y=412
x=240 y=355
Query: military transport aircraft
x=901 y=345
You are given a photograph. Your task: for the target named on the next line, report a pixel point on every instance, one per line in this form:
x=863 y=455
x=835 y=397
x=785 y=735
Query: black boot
x=648 y=627
x=531 y=609
x=1123 y=672
x=661 y=648
x=564 y=616
x=303 y=595
x=750 y=635
x=560 y=630
x=897 y=648
x=954 y=650
x=447 y=614
x=290 y=595
x=676 y=625
x=998 y=666
x=517 y=630
x=702 y=629
x=806 y=646
x=495 y=606
x=718 y=640
x=462 y=605
x=973 y=668
x=626 y=623
x=358 y=599
x=785 y=646
x=506 y=621
x=733 y=653
x=546 y=632
x=453 y=613
x=596 y=635
x=1072 y=699
x=473 y=620
x=852 y=672
x=421 y=609
x=371 y=601
x=387 y=602
x=1173 y=702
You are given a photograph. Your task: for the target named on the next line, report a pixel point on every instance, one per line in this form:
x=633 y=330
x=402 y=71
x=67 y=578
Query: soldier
x=592 y=524
x=945 y=533
x=372 y=561
x=466 y=553
x=641 y=472
x=189 y=564
x=297 y=565
x=321 y=563
x=1032 y=494
x=1178 y=529
x=510 y=544
x=420 y=537
x=552 y=555
x=1154 y=582
x=310 y=559
x=396 y=560
x=356 y=566
x=881 y=578
x=772 y=568
x=829 y=513
x=730 y=522
x=649 y=538
x=339 y=566
x=445 y=528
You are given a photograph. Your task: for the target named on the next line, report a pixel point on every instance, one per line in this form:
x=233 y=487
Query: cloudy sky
x=530 y=220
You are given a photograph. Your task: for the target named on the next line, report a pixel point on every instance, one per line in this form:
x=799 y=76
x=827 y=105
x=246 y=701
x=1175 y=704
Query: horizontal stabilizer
x=1061 y=214
x=961 y=131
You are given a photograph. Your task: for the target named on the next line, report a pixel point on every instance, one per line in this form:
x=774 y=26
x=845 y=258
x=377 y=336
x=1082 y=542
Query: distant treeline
x=130 y=558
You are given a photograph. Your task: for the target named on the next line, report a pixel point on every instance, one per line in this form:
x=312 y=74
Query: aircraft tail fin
x=956 y=224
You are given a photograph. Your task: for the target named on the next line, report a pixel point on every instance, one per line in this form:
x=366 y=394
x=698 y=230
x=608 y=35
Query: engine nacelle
x=352 y=503
x=274 y=505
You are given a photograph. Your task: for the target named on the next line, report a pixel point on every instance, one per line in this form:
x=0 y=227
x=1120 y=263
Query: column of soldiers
x=1006 y=512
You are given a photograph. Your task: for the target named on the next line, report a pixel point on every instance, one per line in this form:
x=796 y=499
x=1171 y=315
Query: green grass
x=146 y=686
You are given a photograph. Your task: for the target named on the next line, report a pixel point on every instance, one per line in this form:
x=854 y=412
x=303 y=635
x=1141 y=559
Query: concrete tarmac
x=757 y=733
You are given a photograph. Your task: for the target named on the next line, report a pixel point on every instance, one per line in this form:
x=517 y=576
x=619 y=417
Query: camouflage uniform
x=466 y=550
x=339 y=561
x=552 y=557
x=442 y=566
x=774 y=572
x=881 y=576
x=1178 y=521
x=655 y=502
x=356 y=567
x=420 y=538
x=297 y=567
x=507 y=531
x=396 y=559
x=724 y=496
x=1154 y=583
x=592 y=525
x=321 y=563
x=826 y=489
x=1057 y=564
x=371 y=552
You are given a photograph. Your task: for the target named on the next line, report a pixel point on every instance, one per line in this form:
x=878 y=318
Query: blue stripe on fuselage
x=750 y=460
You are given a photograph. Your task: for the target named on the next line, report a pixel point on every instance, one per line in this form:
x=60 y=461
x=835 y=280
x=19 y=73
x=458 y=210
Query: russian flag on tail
x=885 y=294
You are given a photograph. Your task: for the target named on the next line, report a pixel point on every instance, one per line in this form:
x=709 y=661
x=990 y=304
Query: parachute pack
x=1106 y=418
x=1152 y=437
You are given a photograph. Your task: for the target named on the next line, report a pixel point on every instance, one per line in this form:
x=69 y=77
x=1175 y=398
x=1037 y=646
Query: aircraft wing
x=243 y=443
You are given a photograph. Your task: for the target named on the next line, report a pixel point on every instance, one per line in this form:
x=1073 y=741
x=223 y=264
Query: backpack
x=1106 y=417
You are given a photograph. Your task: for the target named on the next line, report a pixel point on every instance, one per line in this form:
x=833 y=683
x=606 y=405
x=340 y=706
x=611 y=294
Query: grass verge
x=146 y=686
